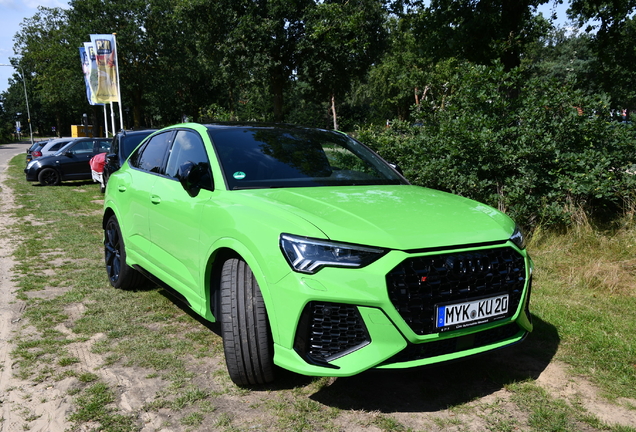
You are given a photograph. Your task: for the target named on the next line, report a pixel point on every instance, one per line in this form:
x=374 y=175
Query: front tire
x=247 y=339
x=120 y=274
x=49 y=177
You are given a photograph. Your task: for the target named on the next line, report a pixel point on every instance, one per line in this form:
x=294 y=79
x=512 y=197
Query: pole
x=112 y=117
x=121 y=115
x=27 y=104
x=26 y=97
x=106 y=120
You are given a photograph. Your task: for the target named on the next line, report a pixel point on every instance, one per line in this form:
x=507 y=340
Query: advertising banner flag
x=106 y=59
x=87 y=55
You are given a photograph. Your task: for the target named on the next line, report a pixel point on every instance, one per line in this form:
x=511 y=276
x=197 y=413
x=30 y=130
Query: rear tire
x=120 y=274
x=247 y=339
x=49 y=177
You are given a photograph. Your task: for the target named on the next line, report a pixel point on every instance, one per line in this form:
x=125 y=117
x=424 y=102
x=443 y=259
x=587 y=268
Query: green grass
x=62 y=249
x=584 y=306
x=586 y=289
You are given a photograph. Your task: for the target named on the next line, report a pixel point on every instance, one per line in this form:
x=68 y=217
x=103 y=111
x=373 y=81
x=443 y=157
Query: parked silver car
x=50 y=148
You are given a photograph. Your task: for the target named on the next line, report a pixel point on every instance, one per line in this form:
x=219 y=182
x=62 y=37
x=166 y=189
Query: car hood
x=397 y=217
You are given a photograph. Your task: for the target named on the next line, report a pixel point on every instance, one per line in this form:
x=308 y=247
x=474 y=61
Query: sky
x=13 y=12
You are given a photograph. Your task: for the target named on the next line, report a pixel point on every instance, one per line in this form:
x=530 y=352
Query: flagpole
x=106 y=120
x=112 y=117
x=121 y=114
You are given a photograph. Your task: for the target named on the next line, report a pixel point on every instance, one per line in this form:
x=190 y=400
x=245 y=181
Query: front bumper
x=346 y=321
x=31 y=174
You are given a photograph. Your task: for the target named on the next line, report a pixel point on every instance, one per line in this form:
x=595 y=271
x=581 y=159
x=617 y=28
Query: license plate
x=460 y=315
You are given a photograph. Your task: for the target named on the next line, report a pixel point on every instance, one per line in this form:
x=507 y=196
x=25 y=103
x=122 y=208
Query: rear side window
x=56 y=147
x=129 y=143
x=150 y=157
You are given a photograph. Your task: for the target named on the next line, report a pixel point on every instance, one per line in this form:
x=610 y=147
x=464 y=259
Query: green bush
x=536 y=149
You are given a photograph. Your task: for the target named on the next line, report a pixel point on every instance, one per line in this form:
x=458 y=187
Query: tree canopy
x=467 y=84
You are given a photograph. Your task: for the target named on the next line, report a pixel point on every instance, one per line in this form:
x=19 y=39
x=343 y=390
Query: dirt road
x=12 y=390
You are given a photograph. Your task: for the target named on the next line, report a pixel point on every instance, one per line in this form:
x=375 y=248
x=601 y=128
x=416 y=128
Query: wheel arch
x=44 y=167
x=108 y=212
x=227 y=249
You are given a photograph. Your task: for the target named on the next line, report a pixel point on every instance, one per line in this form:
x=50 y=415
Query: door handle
x=155 y=199
x=121 y=188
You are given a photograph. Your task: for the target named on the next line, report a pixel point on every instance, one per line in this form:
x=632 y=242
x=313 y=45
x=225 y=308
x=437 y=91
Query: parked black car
x=70 y=163
x=123 y=145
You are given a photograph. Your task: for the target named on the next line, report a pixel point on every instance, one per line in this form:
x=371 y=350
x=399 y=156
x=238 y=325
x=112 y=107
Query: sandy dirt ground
x=45 y=407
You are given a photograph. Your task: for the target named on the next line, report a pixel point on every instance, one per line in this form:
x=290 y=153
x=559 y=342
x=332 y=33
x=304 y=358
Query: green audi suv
x=313 y=253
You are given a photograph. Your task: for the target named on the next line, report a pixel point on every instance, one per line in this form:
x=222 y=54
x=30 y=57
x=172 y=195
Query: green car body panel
x=177 y=238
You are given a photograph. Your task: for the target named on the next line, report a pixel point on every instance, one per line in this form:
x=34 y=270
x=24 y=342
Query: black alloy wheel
x=120 y=274
x=49 y=177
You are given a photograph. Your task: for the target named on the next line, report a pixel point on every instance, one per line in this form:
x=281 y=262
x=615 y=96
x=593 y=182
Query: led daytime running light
x=310 y=255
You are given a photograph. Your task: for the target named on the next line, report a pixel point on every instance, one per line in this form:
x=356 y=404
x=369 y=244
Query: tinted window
x=103 y=146
x=150 y=156
x=56 y=147
x=187 y=147
x=82 y=147
x=130 y=142
x=277 y=157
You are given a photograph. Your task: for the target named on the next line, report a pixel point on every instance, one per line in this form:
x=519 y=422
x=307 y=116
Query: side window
x=151 y=156
x=103 y=146
x=82 y=147
x=188 y=147
x=56 y=147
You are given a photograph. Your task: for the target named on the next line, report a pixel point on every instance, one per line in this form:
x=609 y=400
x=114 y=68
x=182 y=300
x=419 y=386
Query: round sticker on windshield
x=239 y=175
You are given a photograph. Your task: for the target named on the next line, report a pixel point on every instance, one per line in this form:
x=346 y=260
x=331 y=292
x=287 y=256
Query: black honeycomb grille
x=327 y=331
x=416 y=285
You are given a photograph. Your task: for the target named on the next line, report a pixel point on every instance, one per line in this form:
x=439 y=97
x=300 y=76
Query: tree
x=483 y=30
x=248 y=46
x=565 y=57
x=343 y=39
x=614 y=45
x=48 y=51
x=138 y=47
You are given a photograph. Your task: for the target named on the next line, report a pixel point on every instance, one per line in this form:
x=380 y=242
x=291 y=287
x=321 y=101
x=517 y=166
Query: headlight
x=518 y=238
x=30 y=164
x=306 y=255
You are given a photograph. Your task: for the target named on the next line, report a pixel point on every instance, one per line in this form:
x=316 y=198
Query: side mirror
x=193 y=177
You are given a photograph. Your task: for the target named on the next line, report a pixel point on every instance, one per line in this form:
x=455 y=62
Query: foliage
x=482 y=31
x=541 y=156
x=342 y=40
x=54 y=88
x=512 y=112
x=613 y=43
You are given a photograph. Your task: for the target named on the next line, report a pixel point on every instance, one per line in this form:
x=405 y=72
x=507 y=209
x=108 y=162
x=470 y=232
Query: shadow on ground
x=430 y=388
x=436 y=388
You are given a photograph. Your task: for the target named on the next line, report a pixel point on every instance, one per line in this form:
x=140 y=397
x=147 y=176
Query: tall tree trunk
x=333 y=111
x=512 y=14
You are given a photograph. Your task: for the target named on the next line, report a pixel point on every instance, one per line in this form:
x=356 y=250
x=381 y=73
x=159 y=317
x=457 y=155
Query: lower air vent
x=327 y=331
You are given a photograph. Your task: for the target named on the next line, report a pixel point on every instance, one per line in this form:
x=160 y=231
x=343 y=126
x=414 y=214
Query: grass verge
x=583 y=301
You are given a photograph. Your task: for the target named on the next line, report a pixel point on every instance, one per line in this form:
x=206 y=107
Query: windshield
x=265 y=157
